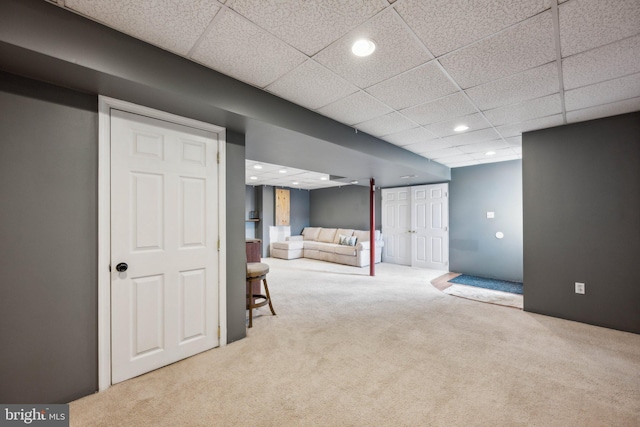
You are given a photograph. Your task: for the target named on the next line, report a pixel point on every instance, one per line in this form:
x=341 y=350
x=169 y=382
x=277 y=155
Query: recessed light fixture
x=257 y=166
x=283 y=171
x=408 y=176
x=363 y=47
x=254 y=178
x=323 y=178
x=460 y=128
x=295 y=183
x=355 y=181
x=490 y=153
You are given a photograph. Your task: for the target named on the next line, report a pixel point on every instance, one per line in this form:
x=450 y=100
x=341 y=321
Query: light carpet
x=349 y=350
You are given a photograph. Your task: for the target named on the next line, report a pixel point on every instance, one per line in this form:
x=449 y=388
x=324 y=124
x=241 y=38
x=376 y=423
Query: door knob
x=122 y=267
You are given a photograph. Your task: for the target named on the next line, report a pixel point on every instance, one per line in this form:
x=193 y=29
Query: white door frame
x=105 y=105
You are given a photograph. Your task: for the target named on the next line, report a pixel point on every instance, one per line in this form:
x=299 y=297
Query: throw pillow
x=347 y=240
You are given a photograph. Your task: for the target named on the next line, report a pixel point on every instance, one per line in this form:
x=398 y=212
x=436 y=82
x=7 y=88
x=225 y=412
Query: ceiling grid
x=502 y=67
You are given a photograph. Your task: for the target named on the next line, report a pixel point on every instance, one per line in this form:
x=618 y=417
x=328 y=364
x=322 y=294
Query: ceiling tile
x=444 y=25
x=498 y=154
x=523 y=46
x=386 y=125
x=456 y=159
x=604 y=63
x=447 y=152
x=472 y=137
x=533 y=83
x=483 y=147
x=496 y=159
x=428 y=146
x=238 y=48
x=422 y=84
x=514 y=141
x=397 y=51
x=411 y=136
x=473 y=121
x=455 y=105
x=309 y=26
x=603 y=93
x=528 y=110
x=516 y=129
x=462 y=164
x=613 y=109
x=355 y=108
x=585 y=24
x=174 y=25
x=311 y=85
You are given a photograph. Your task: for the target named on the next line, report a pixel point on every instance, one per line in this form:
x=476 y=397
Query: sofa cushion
x=343 y=232
x=311 y=233
x=362 y=235
x=314 y=246
x=345 y=250
x=327 y=235
x=288 y=245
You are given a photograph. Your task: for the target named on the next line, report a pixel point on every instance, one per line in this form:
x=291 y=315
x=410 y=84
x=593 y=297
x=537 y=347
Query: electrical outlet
x=579 y=288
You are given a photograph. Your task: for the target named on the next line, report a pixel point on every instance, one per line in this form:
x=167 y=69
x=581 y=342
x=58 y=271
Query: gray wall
x=250 y=205
x=473 y=247
x=581 y=188
x=48 y=225
x=300 y=205
x=48 y=243
x=346 y=207
x=265 y=200
x=236 y=248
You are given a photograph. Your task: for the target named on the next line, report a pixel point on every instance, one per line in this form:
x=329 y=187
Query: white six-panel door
x=396 y=223
x=415 y=226
x=430 y=226
x=164 y=226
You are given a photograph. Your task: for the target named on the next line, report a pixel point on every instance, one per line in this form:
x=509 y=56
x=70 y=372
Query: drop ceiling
x=261 y=173
x=501 y=67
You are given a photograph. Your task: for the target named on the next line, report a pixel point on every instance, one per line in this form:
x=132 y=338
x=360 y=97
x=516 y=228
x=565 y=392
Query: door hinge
x=218 y=157
x=109 y=268
x=218 y=244
x=218 y=332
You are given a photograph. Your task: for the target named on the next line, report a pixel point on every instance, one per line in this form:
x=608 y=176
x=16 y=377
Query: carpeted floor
x=350 y=350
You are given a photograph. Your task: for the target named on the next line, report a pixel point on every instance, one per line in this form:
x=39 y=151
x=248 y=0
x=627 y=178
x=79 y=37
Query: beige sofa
x=324 y=244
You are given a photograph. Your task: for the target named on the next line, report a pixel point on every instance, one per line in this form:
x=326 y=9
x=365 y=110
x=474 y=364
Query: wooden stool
x=257 y=271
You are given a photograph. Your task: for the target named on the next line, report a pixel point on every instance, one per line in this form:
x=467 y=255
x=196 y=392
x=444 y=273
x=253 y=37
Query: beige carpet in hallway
x=350 y=350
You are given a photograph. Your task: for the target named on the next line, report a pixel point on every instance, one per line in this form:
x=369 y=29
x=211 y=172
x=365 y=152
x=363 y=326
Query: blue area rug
x=496 y=285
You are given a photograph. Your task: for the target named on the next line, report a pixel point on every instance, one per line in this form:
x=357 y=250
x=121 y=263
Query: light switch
x=491 y=215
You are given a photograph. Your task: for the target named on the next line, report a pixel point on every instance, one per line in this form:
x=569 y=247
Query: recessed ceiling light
x=283 y=171
x=460 y=128
x=254 y=178
x=490 y=153
x=323 y=178
x=295 y=183
x=354 y=181
x=408 y=176
x=257 y=166
x=363 y=47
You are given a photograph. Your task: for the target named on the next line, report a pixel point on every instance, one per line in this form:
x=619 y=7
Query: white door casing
x=396 y=205
x=165 y=198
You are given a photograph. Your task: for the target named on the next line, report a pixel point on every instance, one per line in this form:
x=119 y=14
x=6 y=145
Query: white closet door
x=430 y=226
x=396 y=222
x=164 y=213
